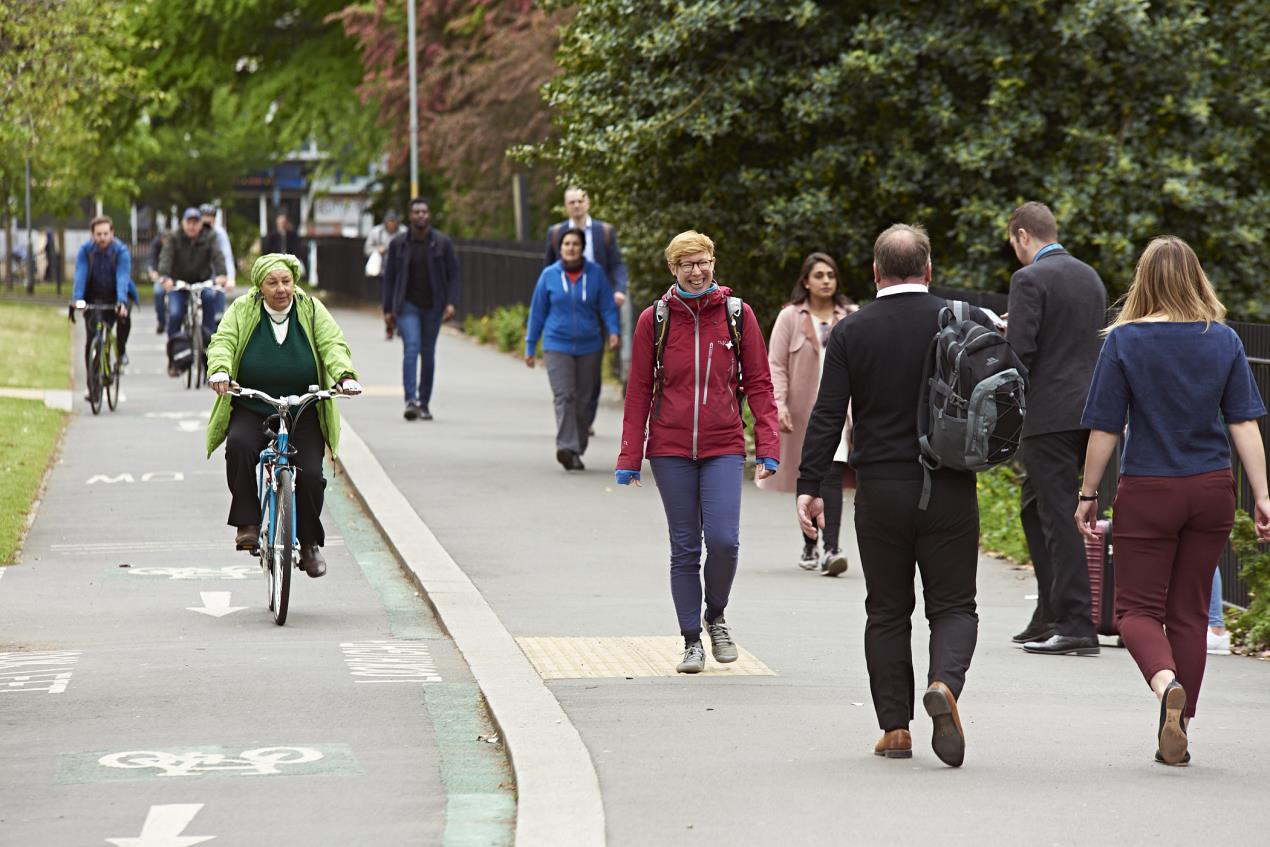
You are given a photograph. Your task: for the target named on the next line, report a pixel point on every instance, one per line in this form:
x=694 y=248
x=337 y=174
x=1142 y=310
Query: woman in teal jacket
x=297 y=346
x=571 y=308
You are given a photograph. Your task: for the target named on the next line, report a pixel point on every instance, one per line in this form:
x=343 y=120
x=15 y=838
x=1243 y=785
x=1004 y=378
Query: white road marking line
x=263 y=761
x=390 y=661
x=215 y=604
x=47 y=671
x=163 y=828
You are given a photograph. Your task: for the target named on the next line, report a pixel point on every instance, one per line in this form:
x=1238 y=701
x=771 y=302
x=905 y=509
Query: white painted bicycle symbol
x=263 y=761
x=228 y=572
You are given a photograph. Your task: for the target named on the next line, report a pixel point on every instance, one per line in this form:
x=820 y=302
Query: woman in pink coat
x=795 y=356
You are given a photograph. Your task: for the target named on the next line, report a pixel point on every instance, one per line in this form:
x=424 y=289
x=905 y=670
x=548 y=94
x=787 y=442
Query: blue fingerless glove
x=770 y=464
x=626 y=477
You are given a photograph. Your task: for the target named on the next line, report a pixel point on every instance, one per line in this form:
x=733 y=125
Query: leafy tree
x=480 y=66
x=781 y=128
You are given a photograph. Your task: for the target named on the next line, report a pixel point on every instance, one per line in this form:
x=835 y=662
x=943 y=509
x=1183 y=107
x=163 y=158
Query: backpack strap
x=735 y=323
x=661 y=321
x=607 y=229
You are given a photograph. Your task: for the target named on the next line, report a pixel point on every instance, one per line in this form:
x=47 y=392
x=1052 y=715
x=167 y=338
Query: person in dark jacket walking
x=1180 y=378
x=689 y=413
x=874 y=364
x=285 y=240
x=571 y=308
x=421 y=288
x=1058 y=306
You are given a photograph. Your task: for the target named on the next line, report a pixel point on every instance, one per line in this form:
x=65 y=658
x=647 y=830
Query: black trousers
x=243 y=443
x=831 y=493
x=943 y=543
x=123 y=327
x=1053 y=462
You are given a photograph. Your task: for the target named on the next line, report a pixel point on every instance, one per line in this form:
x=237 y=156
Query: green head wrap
x=270 y=262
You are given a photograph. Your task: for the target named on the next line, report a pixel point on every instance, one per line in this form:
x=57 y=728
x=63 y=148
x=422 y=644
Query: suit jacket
x=603 y=240
x=443 y=270
x=1058 y=306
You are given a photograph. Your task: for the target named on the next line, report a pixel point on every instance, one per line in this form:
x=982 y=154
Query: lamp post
x=414 y=100
x=30 y=245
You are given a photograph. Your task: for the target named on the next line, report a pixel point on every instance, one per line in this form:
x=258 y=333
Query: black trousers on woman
x=245 y=440
x=942 y=543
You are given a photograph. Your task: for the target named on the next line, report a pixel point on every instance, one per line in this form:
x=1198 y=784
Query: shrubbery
x=1250 y=628
x=504 y=327
x=999 y=528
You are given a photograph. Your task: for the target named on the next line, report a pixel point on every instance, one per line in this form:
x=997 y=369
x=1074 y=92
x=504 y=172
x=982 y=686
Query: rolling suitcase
x=1099 y=555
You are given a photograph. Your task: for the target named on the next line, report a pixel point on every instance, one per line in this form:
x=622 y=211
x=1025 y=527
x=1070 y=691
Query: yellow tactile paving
x=625 y=656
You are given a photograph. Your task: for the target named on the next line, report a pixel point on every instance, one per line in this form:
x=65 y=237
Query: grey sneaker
x=412 y=411
x=721 y=644
x=694 y=660
x=808 y=560
x=835 y=563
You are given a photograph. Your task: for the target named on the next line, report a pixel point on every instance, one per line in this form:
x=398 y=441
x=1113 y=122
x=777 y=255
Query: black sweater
x=874 y=361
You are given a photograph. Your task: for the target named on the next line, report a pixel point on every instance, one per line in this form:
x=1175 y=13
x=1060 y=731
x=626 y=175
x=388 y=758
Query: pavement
x=148 y=699
x=565 y=574
x=780 y=750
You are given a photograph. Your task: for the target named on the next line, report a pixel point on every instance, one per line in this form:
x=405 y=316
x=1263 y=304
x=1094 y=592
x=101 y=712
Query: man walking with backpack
x=876 y=360
x=1058 y=306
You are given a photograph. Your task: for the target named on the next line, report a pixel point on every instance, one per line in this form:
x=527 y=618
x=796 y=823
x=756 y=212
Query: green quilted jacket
x=325 y=338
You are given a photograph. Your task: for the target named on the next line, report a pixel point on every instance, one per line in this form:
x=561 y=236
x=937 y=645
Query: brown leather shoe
x=248 y=538
x=311 y=560
x=948 y=739
x=894 y=744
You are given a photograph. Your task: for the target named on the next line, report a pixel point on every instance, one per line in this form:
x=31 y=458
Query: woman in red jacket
x=690 y=415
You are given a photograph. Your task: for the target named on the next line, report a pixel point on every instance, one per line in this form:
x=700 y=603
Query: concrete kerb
x=558 y=792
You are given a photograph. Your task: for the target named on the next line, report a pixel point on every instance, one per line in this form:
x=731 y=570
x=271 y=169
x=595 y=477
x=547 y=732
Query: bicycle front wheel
x=114 y=374
x=200 y=360
x=94 y=374
x=282 y=550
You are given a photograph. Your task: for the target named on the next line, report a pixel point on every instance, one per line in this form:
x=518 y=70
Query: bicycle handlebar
x=181 y=285
x=284 y=404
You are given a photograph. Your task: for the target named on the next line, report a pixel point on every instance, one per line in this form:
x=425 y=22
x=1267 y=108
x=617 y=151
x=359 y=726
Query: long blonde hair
x=1170 y=281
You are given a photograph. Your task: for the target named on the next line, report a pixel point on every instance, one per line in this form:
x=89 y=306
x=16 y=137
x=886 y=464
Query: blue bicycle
x=279 y=545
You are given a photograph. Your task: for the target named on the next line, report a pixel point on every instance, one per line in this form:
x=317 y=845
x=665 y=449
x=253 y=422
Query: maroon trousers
x=1169 y=533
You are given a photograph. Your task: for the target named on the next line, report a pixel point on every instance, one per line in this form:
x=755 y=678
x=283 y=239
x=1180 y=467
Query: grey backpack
x=972 y=402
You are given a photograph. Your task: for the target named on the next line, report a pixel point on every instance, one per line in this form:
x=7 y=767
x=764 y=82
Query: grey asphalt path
x=1059 y=749
x=124 y=712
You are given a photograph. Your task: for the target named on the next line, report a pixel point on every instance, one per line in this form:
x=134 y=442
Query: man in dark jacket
x=874 y=361
x=191 y=255
x=284 y=239
x=1058 y=305
x=420 y=291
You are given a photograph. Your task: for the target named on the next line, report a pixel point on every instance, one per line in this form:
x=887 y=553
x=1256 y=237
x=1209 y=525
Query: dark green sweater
x=276 y=369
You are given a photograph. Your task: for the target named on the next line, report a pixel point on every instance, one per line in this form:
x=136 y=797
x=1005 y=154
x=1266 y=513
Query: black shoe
x=173 y=370
x=1065 y=645
x=565 y=458
x=1172 y=731
x=412 y=411
x=311 y=560
x=575 y=462
x=160 y=329
x=1036 y=632
x=248 y=538
x=424 y=414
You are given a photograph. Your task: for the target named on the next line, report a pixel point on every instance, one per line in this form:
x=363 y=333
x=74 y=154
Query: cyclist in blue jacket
x=103 y=275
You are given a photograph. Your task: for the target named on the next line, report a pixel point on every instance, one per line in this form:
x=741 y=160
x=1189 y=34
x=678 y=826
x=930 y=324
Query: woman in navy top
x=1175 y=372
x=571 y=310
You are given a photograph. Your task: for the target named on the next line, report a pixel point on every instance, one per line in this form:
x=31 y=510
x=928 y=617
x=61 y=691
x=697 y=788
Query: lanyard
x=564 y=284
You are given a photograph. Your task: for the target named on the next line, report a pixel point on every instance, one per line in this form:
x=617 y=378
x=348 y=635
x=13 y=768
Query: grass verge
x=34 y=346
x=28 y=435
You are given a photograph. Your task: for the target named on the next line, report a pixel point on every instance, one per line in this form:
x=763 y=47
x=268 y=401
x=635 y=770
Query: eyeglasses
x=688 y=267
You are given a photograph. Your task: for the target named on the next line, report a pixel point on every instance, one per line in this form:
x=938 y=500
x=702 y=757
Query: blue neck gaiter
x=688 y=295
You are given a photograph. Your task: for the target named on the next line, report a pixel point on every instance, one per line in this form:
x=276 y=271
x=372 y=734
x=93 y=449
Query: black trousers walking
x=1053 y=462
x=243 y=443
x=943 y=543
x=831 y=493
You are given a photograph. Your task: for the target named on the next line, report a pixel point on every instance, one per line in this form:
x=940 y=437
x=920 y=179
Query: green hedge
x=1250 y=628
x=1000 y=530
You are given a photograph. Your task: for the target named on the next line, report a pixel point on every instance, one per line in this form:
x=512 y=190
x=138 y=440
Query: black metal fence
x=495 y=273
x=1256 y=340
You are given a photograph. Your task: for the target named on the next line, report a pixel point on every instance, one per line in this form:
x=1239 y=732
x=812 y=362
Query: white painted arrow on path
x=163 y=828
x=215 y=604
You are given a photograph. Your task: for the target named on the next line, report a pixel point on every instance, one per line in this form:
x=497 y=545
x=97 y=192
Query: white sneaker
x=721 y=643
x=694 y=660
x=808 y=561
x=1218 y=645
x=835 y=563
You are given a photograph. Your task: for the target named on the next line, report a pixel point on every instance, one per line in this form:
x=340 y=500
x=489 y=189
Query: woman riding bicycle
x=279 y=340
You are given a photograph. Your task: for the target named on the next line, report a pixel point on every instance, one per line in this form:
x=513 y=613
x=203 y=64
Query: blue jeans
x=702 y=499
x=160 y=305
x=213 y=301
x=418 y=330
x=1215 y=616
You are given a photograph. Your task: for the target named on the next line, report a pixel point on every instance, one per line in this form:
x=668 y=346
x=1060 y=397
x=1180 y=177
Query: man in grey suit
x=1058 y=305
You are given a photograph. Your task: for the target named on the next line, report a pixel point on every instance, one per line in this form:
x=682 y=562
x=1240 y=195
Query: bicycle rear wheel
x=200 y=364
x=94 y=374
x=283 y=547
x=115 y=372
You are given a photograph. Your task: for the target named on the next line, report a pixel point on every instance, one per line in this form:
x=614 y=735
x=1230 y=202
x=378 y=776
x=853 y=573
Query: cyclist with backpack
x=571 y=309
x=191 y=254
x=103 y=274
x=910 y=509
x=697 y=354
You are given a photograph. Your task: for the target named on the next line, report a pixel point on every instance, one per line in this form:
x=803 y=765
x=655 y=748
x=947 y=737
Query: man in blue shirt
x=103 y=274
